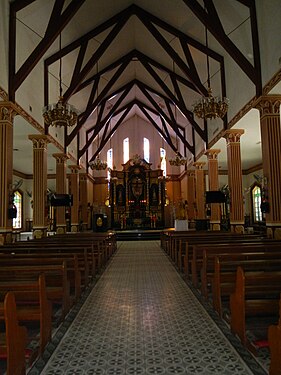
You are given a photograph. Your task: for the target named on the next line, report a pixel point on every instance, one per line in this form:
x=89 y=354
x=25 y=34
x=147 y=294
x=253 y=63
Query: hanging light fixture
x=210 y=107
x=178 y=160
x=60 y=114
x=97 y=164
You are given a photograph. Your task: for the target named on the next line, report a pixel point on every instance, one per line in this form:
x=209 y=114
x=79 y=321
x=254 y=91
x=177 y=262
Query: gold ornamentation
x=269 y=105
x=39 y=141
x=233 y=135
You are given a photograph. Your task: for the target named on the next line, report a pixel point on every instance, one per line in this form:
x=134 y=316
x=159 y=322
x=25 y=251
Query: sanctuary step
x=135 y=235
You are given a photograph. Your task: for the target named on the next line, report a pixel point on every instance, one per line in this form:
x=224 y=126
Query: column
x=74 y=190
x=83 y=188
x=39 y=190
x=200 y=190
x=191 y=195
x=269 y=107
x=213 y=174
x=7 y=114
x=61 y=159
x=234 y=164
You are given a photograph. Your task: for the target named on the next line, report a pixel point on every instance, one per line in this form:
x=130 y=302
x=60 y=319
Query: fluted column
x=61 y=159
x=269 y=107
x=83 y=187
x=39 y=190
x=191 y=194
x=213 y=174
x=74 y=190
x=7 y=114
x=200 y=190
x=232 y=137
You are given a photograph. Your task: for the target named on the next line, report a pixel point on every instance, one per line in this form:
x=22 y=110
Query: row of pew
x=40 y=281
x=240 y=276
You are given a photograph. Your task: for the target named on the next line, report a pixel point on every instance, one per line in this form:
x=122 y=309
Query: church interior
x=140 y=174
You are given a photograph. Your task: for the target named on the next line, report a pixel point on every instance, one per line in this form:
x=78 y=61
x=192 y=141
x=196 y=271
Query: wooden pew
x=230 y=247
x=85 y=258
x=14 y=341
x=256 y=296
x=32 y=305
x=274 y=339
x=230 y=259
x=224 y=277
x=45 y=259
x=57 y=285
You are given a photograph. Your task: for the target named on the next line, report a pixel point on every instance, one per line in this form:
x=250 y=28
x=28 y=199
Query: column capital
x=190 y=173
x=269 y=105
x=83 y=176
x=60 y=157
x=233 y=135
x=74 y=168
x=212 y=154
x=7 y=111
x=39 y=141
x=199 y=164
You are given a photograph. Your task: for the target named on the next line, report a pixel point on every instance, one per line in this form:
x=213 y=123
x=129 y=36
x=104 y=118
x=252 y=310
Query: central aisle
x=142 y=318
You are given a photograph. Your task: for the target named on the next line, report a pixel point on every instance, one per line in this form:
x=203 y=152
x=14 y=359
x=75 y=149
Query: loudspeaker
x=61 y=200
x=215 y=197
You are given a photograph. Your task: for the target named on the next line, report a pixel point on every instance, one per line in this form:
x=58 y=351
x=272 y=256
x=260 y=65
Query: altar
x=138 y=196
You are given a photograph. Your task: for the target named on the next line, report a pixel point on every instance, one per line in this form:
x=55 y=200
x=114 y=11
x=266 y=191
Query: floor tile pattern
x=142 y=318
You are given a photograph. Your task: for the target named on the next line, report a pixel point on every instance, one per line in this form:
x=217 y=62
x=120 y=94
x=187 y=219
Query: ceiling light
x=210 y=107
x=98 y=164
x=60 y=114
x=177 y=161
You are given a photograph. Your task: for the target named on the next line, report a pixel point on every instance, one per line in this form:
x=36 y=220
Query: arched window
x=125 y=150
x=17 y=222
x=146 y=149
x=163 y=161
x=256 y=199
x=109 y=162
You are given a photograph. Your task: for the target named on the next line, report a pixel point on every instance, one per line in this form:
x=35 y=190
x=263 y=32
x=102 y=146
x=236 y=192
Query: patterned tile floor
x=142 y=318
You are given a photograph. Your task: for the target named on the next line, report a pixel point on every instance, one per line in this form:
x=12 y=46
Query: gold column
x=200 y=190
x=7 y=114
x=213 y=171
x=74 y=190
x=191 y=195
x=83 y=188
x=39 y=190
x=269 y=107
x=232 y=137
x=61 y=159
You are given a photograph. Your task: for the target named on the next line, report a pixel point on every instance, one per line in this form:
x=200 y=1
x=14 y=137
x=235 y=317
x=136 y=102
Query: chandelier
x=98 y=164
x=210 y=107
x=60 y=114
x=178 y=160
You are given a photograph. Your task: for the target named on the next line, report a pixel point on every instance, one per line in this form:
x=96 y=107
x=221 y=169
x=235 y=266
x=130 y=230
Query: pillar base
x=237 y=228
x=39 y=233
x=273 y=231
x=61 y=229
x=215 y=225
x=74 y=228
x=6 y=238
x=84 y=227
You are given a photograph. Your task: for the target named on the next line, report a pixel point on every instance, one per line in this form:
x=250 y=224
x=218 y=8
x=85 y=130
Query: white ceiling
x=32 y=22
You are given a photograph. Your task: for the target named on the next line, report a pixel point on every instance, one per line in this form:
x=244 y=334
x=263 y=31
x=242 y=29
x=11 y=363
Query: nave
x=142 y=318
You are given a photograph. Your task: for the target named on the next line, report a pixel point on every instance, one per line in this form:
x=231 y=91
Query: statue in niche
x=137 y=188
x=120 y=195
x=154 y=195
